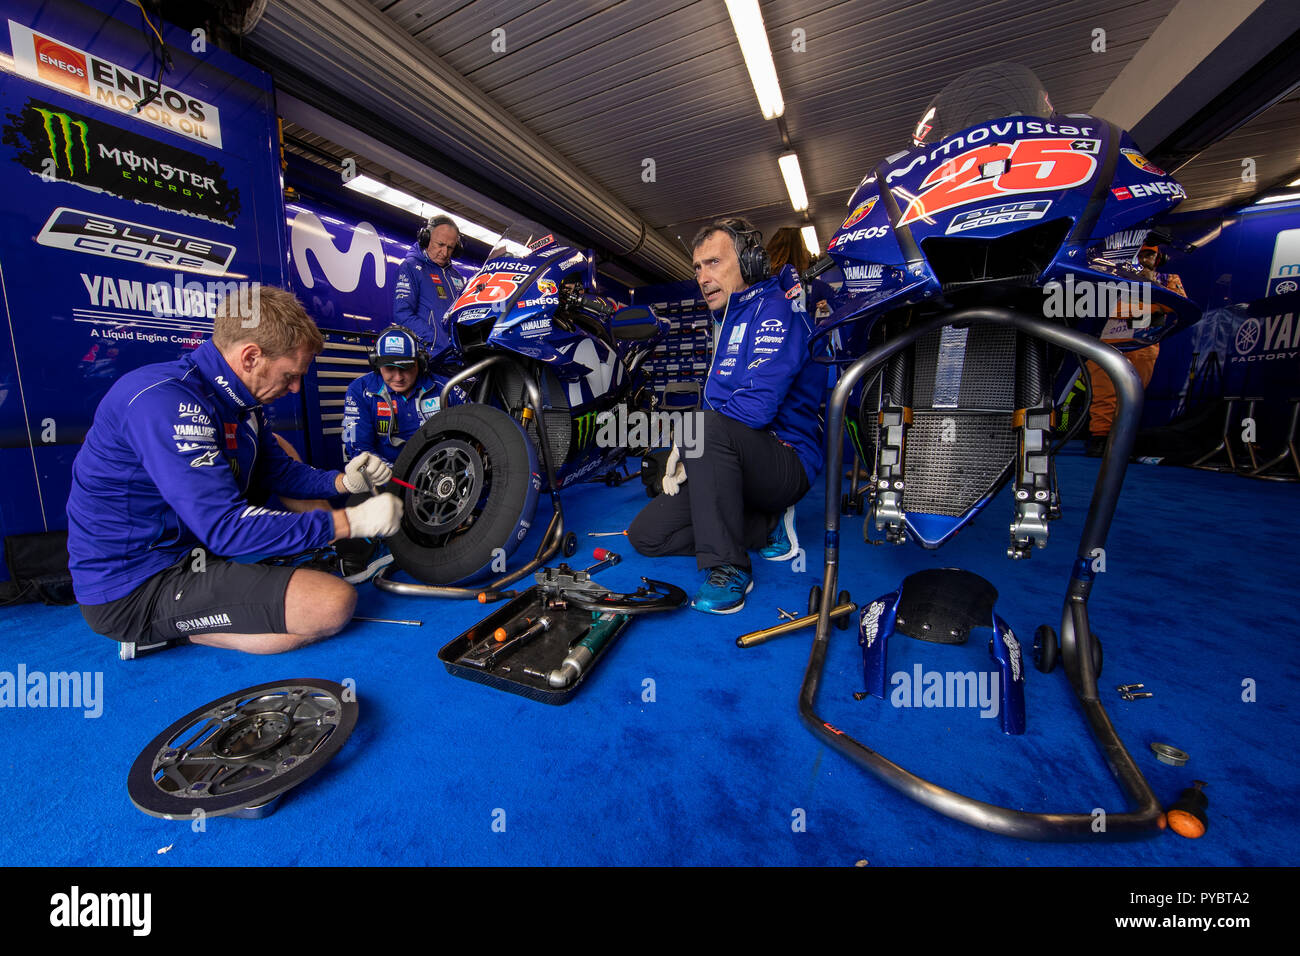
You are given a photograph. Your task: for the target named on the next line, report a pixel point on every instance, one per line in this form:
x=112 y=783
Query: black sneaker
x=360 y=559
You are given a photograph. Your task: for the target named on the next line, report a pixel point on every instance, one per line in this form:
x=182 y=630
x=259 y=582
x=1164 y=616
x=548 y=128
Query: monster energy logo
x=855 y=438
x=586 y=428
x=66 y=123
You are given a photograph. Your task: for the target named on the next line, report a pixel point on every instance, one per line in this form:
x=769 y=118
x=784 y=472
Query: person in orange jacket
x=1102 y=412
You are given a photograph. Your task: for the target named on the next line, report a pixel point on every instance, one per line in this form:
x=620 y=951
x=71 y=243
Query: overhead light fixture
x=810 y=240
x=418 y=207
x=747 y=21
x=1294 y=182
x=1285 y=197
x=789 y=163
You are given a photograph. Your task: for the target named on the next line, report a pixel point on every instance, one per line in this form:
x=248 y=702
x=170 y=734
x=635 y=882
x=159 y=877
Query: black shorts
x=178 y=602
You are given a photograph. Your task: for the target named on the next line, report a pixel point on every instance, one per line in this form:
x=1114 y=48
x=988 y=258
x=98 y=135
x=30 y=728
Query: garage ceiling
x=592 y=89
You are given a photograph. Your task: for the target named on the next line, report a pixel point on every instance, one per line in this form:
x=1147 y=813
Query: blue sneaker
x=723 y=592
x=782 y=543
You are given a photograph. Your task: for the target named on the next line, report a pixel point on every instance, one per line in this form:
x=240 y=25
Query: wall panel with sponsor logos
x=1245 y=272
x=121 y=226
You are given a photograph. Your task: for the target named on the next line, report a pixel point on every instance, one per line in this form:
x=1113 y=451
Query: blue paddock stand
x=941 y=606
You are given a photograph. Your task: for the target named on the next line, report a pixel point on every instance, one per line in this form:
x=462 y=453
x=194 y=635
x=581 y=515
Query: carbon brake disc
x=240 y=752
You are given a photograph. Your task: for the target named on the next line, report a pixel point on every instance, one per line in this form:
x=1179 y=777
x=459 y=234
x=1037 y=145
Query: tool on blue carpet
x=1129 y=692
x=785 y=615
x=605 y=534
x=581 y=654
x=844 y=606
x=487 y=653
x=385 y=620
x=604 y=559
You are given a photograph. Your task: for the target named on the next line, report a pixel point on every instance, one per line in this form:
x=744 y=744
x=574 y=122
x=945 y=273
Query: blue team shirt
x=174 y=454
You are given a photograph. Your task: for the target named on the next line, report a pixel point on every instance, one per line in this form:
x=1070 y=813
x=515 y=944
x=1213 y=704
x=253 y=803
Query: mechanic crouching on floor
x=760 y=435
x=180 y=459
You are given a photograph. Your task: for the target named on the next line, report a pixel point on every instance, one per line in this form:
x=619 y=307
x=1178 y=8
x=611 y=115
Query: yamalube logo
x=76 y=909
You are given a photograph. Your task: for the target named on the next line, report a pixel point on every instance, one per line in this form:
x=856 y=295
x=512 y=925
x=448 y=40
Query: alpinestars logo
x=207 y=458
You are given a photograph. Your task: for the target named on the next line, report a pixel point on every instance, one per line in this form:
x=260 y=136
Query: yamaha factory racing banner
x=136 y=197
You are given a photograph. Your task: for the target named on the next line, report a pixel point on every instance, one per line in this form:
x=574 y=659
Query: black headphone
x=1161 y=258
x=372 y=354
x=755 y=263
x=426 y=232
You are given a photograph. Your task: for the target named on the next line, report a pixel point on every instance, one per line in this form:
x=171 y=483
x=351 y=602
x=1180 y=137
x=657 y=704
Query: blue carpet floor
x=684 y=749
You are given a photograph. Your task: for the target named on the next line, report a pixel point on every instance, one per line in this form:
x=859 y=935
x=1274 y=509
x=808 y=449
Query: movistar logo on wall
x=342 y=270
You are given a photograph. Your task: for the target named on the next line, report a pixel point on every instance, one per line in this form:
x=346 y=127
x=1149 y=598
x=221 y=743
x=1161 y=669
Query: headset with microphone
x=426 y=232
x=1161 y=258
x=755 y=263
x=397 y=346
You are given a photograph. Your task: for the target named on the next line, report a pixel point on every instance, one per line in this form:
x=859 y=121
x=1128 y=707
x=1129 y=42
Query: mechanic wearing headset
x=180 y=458
x=385 y=407
x=427 y=285
x=761 y=429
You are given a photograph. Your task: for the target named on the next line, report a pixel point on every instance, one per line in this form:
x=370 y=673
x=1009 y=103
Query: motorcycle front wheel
x=475 y=478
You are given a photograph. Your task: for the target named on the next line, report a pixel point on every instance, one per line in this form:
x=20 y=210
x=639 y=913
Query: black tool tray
x=542 y=654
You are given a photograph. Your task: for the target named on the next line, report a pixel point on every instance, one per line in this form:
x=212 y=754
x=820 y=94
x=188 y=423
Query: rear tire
x=476 y=479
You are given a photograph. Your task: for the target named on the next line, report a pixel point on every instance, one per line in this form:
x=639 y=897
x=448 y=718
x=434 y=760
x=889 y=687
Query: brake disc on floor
x=238 y=754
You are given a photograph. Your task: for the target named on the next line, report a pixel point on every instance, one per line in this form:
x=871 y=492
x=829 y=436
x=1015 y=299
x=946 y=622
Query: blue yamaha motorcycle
x=978 y=264
x=544 y=360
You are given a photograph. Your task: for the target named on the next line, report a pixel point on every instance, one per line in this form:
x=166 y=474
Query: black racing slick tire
x=476 y=480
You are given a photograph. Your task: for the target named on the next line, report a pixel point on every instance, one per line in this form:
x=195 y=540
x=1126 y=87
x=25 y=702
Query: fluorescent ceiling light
x=810 y=240
x=747 y=21
x=1294 y=182
x=418 y=207
x=794 y=181
x=1285 y=197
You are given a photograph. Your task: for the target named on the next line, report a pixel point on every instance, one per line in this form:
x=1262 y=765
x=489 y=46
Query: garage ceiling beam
x=360 y=57
x=1200 y=49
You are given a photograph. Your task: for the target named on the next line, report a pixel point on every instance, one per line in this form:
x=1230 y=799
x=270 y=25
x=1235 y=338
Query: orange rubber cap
x=1185 y=824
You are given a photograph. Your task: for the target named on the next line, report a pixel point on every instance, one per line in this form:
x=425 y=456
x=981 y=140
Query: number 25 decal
x=1026 y=166
x=489 y=287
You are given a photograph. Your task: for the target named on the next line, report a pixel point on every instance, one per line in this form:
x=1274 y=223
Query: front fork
x=893 y=420
x=1035 y=496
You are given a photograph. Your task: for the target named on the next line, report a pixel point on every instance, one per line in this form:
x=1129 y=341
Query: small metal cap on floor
x=1169 y=754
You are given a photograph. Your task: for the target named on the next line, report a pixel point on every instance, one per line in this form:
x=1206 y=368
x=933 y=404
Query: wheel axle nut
x=1168 y=754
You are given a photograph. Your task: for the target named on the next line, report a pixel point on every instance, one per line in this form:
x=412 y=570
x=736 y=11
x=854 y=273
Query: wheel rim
x=243 y=750
x=449 y=479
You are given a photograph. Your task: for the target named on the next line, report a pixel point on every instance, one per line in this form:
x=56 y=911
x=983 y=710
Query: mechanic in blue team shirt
x=427 y=285
x=384 y=408
x=761 y=428
x=180 y=459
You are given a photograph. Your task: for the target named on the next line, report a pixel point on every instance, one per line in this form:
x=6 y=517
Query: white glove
x=674 y=472
x=366 y=467
x=376 y=517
